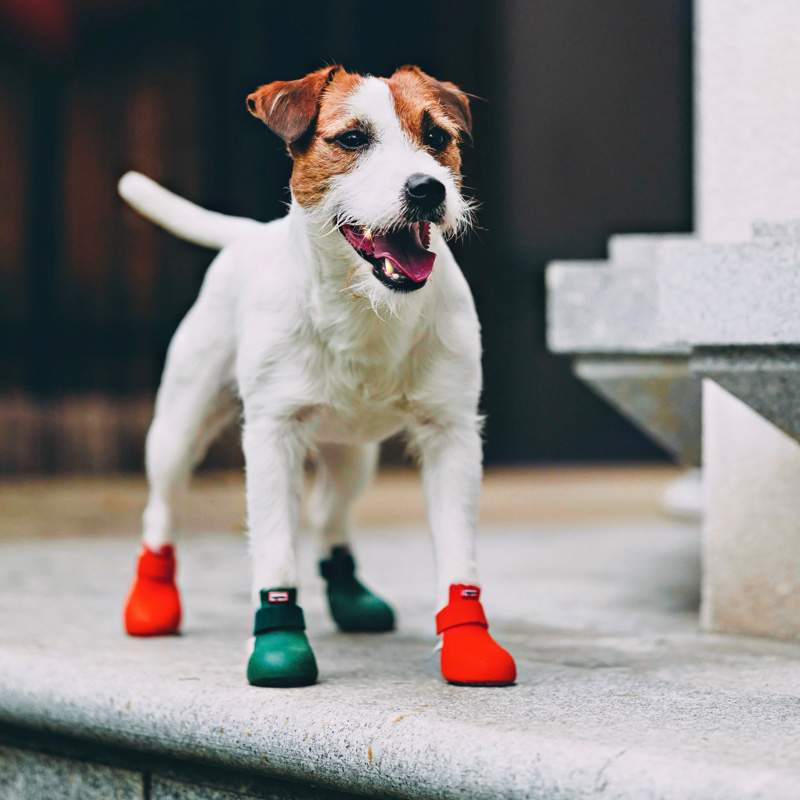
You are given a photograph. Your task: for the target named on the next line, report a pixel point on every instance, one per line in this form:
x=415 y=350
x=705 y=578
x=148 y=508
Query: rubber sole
x=281 y=683
x=486 y=684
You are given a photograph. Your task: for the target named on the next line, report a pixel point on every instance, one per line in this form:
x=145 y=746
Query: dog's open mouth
x=400 y=258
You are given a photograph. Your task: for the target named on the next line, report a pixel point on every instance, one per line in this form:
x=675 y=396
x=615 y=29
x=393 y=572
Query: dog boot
x=281 y=654
x=470 y=657
x=153 y=607
x=354 y=608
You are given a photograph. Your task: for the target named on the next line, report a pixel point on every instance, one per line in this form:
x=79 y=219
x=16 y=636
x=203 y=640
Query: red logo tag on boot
x=278 y=597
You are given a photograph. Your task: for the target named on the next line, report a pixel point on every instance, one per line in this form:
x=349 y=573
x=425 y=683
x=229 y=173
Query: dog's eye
x=437 y=138
x=352 y=140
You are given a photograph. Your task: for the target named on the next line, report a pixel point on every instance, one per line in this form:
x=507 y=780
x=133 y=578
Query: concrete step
x=729 y=311
x=660 y=394
x=618 y=693
x=719 y=294
x=611 y=306
x=596 y=307
x=607 y=315
x=765 y=378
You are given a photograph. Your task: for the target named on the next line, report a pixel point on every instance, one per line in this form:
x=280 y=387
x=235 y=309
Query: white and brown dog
x=335 y=327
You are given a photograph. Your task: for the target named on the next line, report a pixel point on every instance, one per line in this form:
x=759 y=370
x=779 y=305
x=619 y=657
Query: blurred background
x=584 y=130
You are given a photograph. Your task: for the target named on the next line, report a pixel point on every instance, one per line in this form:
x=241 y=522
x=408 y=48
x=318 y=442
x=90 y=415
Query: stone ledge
x=611 y=307
x=40 y=766
x=641 y=248
x=597 y=308
x=617 y=694
x=718 y=294
x=26 y=775
x=767 y=379
x=658 y=394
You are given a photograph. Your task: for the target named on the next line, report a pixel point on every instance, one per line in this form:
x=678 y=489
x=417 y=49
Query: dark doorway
x=584 y=130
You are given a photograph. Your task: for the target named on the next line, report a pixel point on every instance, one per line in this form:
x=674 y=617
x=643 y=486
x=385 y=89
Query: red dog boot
x=470 y=657
x=153 y=607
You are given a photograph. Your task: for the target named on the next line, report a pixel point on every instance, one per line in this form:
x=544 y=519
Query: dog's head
x=376 y=158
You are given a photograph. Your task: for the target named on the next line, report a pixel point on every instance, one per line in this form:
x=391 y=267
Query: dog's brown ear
x=289 y=108
x=454 y=102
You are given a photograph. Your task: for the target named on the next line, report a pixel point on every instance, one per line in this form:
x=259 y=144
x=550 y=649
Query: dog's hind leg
x=342 y=474
x=192 y=407
x=195 y=402
x=174 y=448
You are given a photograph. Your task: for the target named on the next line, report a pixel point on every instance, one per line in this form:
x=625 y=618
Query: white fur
x=179 y=216
x=371 y=194
x=320 y=364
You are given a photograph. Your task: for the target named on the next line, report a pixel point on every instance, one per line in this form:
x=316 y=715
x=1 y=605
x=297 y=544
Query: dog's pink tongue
x=407 y=252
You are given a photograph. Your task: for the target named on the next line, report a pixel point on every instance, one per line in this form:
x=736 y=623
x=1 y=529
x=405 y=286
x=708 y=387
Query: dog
x=330 y=329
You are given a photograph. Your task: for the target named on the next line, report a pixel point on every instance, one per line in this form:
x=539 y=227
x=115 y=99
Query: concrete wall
x=748 y=167
x=747 y=145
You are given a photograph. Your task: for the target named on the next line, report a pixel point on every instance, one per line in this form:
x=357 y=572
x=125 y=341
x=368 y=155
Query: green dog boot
x=281 y=655
x=354 y=608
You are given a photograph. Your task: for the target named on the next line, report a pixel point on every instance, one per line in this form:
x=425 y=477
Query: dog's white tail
x=179 y=216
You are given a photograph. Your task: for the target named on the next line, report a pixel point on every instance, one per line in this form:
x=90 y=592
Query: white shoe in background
x=683 y=497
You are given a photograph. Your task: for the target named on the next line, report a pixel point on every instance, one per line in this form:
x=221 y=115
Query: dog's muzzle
x=400 y=258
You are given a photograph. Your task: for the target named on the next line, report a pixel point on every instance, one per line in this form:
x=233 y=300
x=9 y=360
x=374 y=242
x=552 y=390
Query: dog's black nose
x=424 y=192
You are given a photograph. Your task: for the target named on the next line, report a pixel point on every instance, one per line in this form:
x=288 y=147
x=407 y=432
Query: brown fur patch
x=417 y=96
x=290 y=109
x=320 y=160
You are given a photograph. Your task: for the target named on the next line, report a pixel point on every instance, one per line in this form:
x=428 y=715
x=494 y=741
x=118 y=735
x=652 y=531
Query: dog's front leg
x=274 y=448
x=451 y=456
x=274 y=452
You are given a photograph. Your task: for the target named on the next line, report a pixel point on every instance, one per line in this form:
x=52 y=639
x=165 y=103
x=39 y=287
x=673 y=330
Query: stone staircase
x=645 y=329
x=618 y=693
x=666 y=315
x=606 y=315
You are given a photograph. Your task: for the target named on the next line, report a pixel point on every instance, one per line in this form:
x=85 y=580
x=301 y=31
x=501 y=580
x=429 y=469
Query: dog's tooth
x=368 y=234
x=388 y=268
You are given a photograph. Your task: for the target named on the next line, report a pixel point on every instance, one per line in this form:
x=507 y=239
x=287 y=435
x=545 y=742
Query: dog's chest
x=361 y=419
x=366 y=388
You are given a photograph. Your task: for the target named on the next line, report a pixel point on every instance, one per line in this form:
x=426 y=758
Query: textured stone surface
x=736 y=300
x=640 y=249
x=595 y=307
x=157 y=774
x=34 y=776
x=747 y=138
x=747 y=145
x=610 y=306
x=769 y=229
x=730 y=294
x=607 y=313
x=765 y=378
x=659 y=394
x=195 y=788
x=617 y=691
x=166 y=789
x=751 y=582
